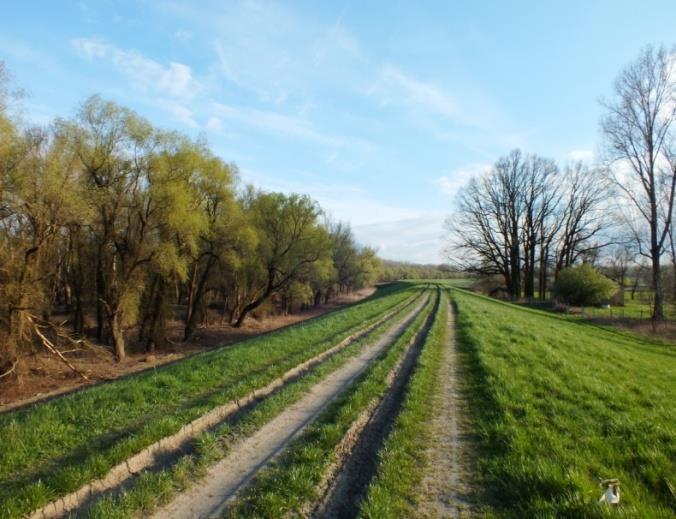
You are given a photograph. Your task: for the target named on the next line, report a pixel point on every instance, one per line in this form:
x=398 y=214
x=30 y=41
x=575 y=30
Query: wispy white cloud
x=396 y=86
x=276 y=123
x=419 y=239
x=215 y=124
x=344 y=202
x=457 y=113
x=182 y=35
x=147 y=75
x=582 y=154
x=451 y=183
x=274 y=51
x=178 y=111
x=399 y=233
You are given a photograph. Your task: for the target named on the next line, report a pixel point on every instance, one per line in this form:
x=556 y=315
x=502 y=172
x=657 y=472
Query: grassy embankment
x=290 y=484
x=54 y=447
x=393 y=491
x=154 y=488
x=559 y=403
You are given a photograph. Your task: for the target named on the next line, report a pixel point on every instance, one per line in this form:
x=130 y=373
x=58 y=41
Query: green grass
x=559 y=403
x=401 y=463
x=289 y=484
x=153 y=489
x=638 y=308
x=54 y=447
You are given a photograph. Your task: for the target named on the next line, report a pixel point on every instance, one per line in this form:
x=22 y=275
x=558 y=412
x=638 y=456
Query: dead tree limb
x=51 y=348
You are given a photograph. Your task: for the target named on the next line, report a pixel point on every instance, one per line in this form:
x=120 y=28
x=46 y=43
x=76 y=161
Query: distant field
x=560 y=403
x=638 y=308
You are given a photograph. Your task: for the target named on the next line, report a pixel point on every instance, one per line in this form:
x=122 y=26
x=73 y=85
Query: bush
x=583 y=286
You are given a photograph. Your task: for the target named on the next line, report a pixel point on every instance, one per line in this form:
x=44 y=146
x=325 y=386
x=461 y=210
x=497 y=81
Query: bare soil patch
x=43 y=376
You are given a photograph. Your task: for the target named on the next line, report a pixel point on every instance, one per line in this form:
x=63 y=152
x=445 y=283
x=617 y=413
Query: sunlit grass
x=560 y=403
x=146 y=493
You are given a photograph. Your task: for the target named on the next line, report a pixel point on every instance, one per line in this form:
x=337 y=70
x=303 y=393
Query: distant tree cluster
x=395 y=270
x=112 y=224
x=529 y=219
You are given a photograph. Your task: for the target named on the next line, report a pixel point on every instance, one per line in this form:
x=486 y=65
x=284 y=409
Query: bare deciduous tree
x=639 y=133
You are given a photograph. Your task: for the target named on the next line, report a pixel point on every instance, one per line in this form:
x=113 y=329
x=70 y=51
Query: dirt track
x=445 y=490
x=225 y=478
x=349 y=484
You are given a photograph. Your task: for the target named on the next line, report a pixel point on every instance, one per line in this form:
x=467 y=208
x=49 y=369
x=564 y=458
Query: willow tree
x=226 y=237
x=39 y=200
x=290 y=240
x=138 y=204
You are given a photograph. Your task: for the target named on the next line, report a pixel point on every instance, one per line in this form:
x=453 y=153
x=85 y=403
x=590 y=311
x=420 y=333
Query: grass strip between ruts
x=291 y=482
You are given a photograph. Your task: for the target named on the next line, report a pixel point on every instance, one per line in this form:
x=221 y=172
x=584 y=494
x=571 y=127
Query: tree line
x=105 y=219
x=528 y=218
x=397 y=270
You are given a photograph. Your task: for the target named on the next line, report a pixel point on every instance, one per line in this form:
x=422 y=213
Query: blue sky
x=379 y=110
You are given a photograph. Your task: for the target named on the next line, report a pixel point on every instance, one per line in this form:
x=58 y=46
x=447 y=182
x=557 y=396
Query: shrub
x=583 y=286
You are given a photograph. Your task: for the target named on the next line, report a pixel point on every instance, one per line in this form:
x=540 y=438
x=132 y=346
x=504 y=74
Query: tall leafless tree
x=583 y=216
x=642 y=147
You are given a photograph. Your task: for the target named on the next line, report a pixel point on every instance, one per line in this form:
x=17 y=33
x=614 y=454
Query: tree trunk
x=658 y=307
x=118 y=336
x=248 y=308
x=196 y=299
x=99 y=303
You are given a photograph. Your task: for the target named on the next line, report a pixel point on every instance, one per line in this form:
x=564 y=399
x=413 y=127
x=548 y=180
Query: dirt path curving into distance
x=446 y=489
x=224 y=479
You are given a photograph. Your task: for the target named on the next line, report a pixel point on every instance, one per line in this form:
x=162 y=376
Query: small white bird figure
x=612 y=493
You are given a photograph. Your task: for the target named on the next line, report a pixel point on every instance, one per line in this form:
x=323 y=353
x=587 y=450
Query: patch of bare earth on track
x=347 y=481
x=245 y=458
x=446 y=489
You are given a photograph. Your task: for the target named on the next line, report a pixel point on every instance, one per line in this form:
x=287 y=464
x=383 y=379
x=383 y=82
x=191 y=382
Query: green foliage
x=583 y=285
x=122 y=217
x=559 y=403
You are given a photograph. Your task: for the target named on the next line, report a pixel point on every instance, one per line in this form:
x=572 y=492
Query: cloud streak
x=147 y=75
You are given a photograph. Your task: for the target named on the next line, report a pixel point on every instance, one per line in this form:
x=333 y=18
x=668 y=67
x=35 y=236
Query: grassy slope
x=55 y=447
x=284 y=488
x=560 y=403
x=402 y=459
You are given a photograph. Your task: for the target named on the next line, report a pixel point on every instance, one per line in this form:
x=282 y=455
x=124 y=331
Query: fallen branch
x=50 y=347
x=10 y=369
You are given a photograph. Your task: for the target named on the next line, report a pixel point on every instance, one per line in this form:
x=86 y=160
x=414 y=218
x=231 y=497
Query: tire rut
x=229 y=475
x=352 y=474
